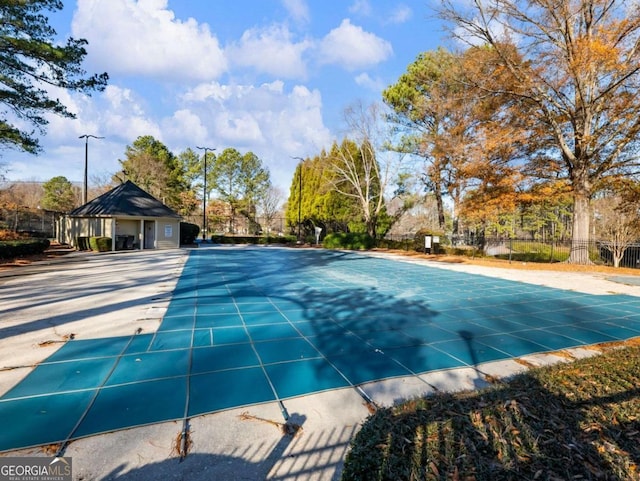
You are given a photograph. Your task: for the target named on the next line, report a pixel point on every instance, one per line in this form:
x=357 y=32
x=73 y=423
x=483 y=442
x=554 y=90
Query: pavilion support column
x=141 y=235
x=113 y=233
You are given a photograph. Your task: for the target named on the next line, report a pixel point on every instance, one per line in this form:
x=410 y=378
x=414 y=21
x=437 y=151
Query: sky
x=268 y=76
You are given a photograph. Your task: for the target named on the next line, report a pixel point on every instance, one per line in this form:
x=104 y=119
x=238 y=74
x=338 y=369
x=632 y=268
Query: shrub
x=401 y=243
x=223 y=239
x=350 y=240
x=25 y=247
x=188 y=233
x=100 y=244
x=461 y=251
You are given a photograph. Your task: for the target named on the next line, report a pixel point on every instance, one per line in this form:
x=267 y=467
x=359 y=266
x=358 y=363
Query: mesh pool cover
x=252 y=325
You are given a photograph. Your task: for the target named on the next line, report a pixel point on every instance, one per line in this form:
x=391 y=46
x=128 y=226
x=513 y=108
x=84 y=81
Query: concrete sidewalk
x=87 y=296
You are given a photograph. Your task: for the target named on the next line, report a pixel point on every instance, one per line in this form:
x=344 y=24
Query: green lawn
x=572 y=421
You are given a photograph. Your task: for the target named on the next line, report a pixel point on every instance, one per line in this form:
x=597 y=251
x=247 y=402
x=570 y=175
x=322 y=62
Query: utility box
x=431 y=244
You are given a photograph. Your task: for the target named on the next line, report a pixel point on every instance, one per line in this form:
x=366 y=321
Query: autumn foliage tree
x=473 y=143
x=576 y=73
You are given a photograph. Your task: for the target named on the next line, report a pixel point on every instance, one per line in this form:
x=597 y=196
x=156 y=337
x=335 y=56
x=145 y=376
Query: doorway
x=149 y=234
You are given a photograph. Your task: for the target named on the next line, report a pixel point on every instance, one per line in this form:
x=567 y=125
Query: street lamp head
x=86 y=162
x=87 y=136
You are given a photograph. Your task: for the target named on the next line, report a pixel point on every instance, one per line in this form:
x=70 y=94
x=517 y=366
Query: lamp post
x=299 y=194
x=204 y=193
x=86 y=162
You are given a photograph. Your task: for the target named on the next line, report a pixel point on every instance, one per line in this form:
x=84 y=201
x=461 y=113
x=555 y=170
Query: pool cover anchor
x=371 y=406
x=283 y=410
x=183 y=441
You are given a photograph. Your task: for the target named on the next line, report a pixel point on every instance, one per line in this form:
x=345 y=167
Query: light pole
x=204 y=194
x=86 y=162
x=299 y=193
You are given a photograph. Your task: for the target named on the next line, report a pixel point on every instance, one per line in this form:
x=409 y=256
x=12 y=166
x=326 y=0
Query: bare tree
x=27 y=193
x=270 y=206
x=360 y=171
x=617 y=224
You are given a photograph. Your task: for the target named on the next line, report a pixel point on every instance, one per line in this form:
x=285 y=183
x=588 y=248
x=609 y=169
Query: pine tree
x=31 y=62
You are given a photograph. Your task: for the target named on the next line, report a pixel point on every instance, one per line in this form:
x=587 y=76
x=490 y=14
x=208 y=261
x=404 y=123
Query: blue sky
x=268 y=76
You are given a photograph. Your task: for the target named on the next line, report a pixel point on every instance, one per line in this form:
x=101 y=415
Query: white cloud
x=361 y=7
x=273 y=122
x=184 y=121
x=270 y=50
x=116 y=113
x=248 y=114
x=124 y=116
x=401 y=14
x=365 y=81
x=145 y=38
x=351 y=47
x=298 y=9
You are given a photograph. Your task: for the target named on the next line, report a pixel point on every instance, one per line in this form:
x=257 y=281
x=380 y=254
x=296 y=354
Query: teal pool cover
x=259 y=324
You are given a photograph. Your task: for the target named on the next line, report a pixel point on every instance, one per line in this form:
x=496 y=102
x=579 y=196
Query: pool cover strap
x=64 y=445
x=183 y=446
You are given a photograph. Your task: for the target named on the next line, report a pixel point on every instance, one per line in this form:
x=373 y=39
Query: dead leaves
x=577 y=420
x=287 y=429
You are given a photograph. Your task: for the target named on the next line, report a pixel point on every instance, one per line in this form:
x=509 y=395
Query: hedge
x=353 y=241
x=222 y=239
x=17 y=248
x=100 y=244
x=188 y=233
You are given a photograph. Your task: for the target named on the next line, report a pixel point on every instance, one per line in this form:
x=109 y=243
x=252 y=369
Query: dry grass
x=54 y=251
x=571 y=421
x=505 y=264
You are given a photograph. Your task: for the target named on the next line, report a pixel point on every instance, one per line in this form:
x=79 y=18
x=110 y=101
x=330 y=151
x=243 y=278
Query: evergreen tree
x=240 y=181
x=58 y=195
x=150 y=165
x=32 y=61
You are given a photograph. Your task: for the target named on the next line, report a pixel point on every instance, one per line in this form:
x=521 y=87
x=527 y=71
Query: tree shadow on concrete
x=295 y=455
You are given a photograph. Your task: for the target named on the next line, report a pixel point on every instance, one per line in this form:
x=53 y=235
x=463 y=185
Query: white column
x=113 y=233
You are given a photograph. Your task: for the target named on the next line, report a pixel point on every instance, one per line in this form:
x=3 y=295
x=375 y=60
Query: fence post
x=510 y=248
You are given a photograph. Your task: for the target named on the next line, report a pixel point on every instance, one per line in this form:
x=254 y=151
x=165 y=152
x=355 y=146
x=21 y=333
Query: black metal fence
x=40 y=222
x=240 y=225
x=523 y=250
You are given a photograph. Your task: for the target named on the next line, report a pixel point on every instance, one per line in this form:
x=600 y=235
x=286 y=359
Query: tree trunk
x=617 y=257
x=437 y=192
x=580 y=233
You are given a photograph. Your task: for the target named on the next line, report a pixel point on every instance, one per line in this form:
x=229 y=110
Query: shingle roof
x=126 y=199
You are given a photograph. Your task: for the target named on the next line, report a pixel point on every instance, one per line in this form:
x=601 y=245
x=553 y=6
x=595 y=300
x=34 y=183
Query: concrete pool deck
x=89 y=296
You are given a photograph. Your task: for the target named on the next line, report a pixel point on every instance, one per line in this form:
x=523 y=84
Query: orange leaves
x=595 y=54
